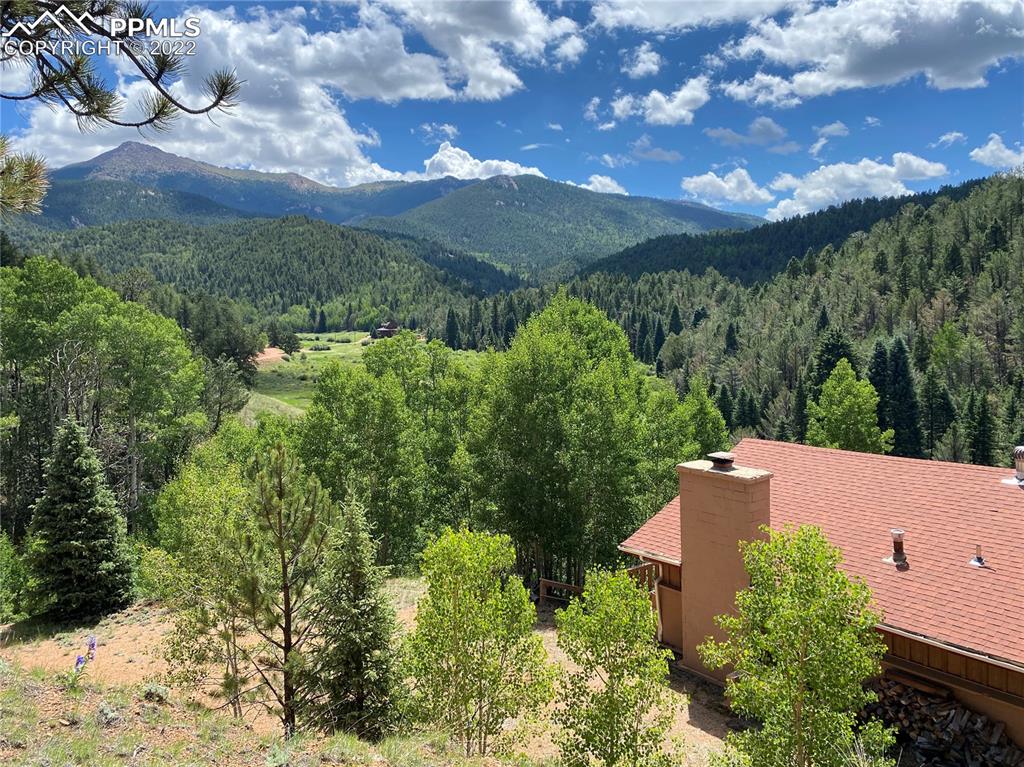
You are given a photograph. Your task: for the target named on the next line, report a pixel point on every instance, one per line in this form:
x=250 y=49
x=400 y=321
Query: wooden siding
x=949 y=662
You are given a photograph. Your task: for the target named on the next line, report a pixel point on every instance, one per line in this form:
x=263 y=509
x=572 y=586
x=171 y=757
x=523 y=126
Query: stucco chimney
x=1018 y=462
x=720 y=504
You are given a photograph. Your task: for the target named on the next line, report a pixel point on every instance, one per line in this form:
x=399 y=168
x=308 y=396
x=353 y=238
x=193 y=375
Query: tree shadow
x=43 y=627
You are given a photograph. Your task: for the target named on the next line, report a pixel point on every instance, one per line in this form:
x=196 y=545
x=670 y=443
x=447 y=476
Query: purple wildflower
x=91 y=644
x=79 y=664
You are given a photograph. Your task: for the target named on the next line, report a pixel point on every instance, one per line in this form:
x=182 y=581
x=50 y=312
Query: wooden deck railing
x=557 y=591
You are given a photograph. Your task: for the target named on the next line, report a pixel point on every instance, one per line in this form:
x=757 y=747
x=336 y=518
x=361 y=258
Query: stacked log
x=941 y=732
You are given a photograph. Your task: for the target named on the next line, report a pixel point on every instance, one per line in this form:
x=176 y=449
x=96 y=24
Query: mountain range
x=525 y=224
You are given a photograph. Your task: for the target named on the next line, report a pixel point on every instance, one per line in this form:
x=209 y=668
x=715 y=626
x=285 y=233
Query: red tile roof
x=945 y=509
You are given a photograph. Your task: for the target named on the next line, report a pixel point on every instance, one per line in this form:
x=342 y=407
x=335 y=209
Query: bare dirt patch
x=270 y=354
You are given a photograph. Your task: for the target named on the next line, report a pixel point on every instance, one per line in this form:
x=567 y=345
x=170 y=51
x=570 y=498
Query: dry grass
x=33 y=707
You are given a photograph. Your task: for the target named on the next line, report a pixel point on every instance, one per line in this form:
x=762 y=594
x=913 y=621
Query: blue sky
x=765 y=106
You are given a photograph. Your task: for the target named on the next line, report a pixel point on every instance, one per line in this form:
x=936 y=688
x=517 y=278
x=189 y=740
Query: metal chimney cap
x=722 y=459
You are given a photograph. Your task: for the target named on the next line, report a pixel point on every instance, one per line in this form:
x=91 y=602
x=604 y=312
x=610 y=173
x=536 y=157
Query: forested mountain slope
x=266 y=194
x=290 y=266
x=758 y=254
x=946 y=282
x=71 y=204
x=535 y=225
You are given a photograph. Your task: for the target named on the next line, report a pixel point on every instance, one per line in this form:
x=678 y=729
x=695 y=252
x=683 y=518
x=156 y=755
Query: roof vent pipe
x=977 y=560
x=898 y=555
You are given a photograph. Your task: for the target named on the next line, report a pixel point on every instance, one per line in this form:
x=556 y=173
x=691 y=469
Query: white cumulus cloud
x=642 y=61
x=833 y=184
x=678 y=107
x=995 y=154
x=735 y=186
x=680 y=15
x=450 y=160
x=867 y=43
x=603 y=184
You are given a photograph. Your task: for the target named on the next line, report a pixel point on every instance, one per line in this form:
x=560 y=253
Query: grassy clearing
x=285 y=386
x=291 y=380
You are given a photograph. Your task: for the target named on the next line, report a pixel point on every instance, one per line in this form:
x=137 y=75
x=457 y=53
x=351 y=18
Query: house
x=953 y=611
x=388 y=329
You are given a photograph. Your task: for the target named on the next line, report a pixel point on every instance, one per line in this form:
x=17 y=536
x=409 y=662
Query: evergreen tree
x=878 y=375
x=954 y=261
x=647 y=353
x=321 y=322
x=937 y=410
x=1013 y=417
x=79 y=555
x=881 y=262
x=981 y=429
x=699 y=315
x=659 y=338
x=800 y=411
x=823 y=320
x=833 y=346
x=732 y=343
x=354 y=664
x=922 y=350
x=642 y=333
x=725 y=406
x=452 y=336
x=954 y=445
x=675 y=322
x=904 y=415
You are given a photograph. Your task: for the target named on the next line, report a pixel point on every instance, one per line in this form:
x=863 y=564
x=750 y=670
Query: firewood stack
x=939 y=731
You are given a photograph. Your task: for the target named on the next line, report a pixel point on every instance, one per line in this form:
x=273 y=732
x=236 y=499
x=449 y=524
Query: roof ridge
x=798 y=447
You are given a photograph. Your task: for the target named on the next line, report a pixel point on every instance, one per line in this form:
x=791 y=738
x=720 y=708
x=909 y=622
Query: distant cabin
x=388 y=329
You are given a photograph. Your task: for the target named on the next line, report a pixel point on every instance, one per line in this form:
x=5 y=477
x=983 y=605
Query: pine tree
x=675 y=322
x=79 y=555
x=699 y=315
x=354 y=663
x=878 y=375
x=903 y=413
x=937 y=410
x=452 y=337
x=732 y=343
x=647 y=353
x=725 y=406
x=833 y=346
x=823 y=320
x=321 y=322
x=1013 y=417
x=981 y=429
x=954 y=261
x=643 y=331
x=922 y=350
x=659 y=338
x=800 y=411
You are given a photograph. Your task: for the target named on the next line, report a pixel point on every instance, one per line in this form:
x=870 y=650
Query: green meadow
x=286 y=385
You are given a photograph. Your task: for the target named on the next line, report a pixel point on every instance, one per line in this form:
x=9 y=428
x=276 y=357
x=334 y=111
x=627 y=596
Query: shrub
x=615 y=708
x=474 y=658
